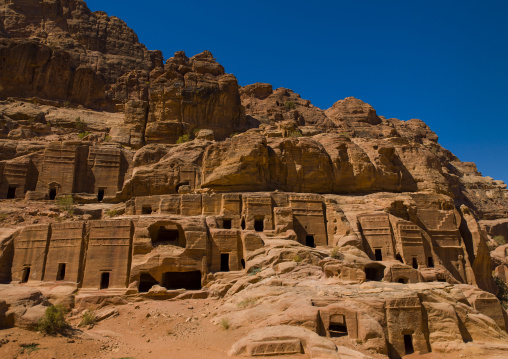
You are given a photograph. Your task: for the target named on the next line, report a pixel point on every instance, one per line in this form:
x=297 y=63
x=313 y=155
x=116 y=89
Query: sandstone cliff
x=140 y=177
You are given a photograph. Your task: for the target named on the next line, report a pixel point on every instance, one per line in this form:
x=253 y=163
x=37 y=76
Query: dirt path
x=164 y=329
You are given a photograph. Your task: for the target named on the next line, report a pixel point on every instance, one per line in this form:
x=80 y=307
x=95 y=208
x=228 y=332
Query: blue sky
x=444 y=62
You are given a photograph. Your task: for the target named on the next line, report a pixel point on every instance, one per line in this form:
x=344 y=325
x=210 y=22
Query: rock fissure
x=124 y=177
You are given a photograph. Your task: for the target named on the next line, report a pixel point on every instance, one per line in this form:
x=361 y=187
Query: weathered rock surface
x=123 y=177
x=192 y=94
x=63 y=51
x=21 y=306
x=267 y=106
x=285 y=339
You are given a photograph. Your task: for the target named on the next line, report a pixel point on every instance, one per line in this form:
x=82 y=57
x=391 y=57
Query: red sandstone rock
x=341 y=221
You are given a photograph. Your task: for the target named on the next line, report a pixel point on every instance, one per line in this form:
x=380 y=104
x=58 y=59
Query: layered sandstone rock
x=307 y=223
x=191 y=94
x=267 y=106
x=63 y=51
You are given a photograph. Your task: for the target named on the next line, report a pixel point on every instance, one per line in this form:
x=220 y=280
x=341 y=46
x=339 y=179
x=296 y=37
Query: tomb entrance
x=146 y=281
x=182 y=280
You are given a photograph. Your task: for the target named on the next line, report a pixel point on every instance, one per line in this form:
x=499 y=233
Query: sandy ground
x=164 y=329
x=152 y=329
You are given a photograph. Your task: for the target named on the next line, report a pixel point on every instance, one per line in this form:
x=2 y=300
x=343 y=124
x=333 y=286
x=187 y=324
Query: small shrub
x=67 y=104
x=295 y=133
x=233 y=134
x=53 y=322
x=345 y=134
x=289 y=105
x=80 y=125
x=224 y=323
x=195 y=131
x=183 y=139
x=111 y=213
x=66 y=203
x=88 y=318
x=297 y=259
x=254 y=271
x=335 y=253
x=28 y=348
x=502 y=295
x=83 y=135
x=499 y=240
x=359 y=341
x=108 y=138
x=249 y=302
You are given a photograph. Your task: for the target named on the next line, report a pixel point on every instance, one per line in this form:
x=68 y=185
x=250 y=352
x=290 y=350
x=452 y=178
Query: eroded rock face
x=267 y=106
x=352 y=110
x=308 y=223
x=21 y=306
x=191 y=94
x=63 y=51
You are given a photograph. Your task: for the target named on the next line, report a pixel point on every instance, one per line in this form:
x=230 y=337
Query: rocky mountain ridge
x=141 y=177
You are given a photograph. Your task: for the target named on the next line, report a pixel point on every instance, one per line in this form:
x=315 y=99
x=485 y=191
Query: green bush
x=499 y=240
x=224 y=323
x=108 y=138
x=289 y=105
x=53 y=322
x=502 y=295
x=88 y=318
x=345 y=134
x=249 y=302
x=83 y=135
x=254 y=271
x=297 y=259
x=66 y=203
x=335 y=253
x=111 y=213
x=80 y=125
x=28 y=348
x=295 y=133
x=183 y=139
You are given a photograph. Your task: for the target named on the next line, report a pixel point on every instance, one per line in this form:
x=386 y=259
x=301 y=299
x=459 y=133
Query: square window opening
x=226 y=223
x=337 y=327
